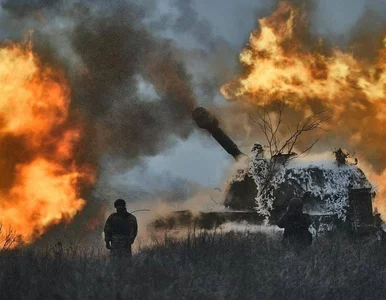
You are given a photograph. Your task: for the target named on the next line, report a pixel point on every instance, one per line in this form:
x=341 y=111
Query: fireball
x=41 y=181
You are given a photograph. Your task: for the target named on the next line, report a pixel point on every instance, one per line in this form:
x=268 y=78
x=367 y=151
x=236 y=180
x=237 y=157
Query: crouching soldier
x=120 y=230
x=296 y=224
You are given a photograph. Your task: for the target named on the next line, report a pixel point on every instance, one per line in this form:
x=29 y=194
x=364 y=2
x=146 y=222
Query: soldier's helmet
x=119 y=203
x=295 y=205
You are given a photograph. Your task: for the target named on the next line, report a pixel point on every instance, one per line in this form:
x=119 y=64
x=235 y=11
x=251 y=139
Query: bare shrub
x=285 y=144
x=281 y=142
x=8 y=238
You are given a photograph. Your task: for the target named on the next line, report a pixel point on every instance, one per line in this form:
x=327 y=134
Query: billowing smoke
x=117 y=57
x=129 y=90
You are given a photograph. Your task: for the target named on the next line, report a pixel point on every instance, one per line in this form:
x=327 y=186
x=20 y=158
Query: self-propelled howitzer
x=335 y=195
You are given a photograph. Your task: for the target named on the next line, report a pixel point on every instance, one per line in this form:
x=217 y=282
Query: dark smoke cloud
x=114 y=52
x=23 y=7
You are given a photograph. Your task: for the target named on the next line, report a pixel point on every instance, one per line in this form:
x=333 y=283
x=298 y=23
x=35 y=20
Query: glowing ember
x=282 y=61
x=40 y=180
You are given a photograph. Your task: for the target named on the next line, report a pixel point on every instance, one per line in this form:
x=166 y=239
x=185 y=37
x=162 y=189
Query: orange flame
x=277 y=65
x=282 y=61
x=40 y=179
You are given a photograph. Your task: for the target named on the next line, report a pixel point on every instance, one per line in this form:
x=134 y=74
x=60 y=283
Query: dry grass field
x=204 y=265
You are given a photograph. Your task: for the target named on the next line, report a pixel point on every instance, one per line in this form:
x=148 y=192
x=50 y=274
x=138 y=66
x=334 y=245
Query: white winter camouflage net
x=322 y=179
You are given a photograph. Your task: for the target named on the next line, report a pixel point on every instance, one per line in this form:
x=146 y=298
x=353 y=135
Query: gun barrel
x=207 y=121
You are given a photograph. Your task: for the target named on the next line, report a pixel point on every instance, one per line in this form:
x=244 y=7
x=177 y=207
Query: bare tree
x=8 y=238
x=293 y=139
x=281 y=145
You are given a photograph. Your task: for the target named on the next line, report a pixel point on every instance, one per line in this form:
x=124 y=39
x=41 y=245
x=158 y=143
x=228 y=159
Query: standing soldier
x=296 y=224
x=120 y=230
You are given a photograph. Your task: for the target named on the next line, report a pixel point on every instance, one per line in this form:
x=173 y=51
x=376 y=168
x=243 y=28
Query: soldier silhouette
x=296 y=224
x=120 y=230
